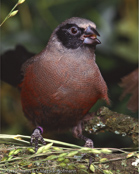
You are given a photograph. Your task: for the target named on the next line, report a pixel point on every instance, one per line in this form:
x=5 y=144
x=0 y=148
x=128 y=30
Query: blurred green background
x=117 y=56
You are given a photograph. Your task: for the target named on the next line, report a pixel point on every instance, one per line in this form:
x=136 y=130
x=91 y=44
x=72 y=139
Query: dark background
x=117 y=56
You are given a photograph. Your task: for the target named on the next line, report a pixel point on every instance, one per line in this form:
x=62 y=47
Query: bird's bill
x=90 y=36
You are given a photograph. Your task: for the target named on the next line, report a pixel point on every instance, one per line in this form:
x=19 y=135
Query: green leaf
x=17 y=151
x=57 y=148
x=31 y=150
x=107 y=172
x=72 y=153
x=92 y=168
x=130 y=155
x=95 y=151
x=60 y=159
x=43 y=149
x=62 y=164
x=102 y=160
x=10 y=157
x=46 y=147
x=63 y=154
x=20 y=1
x=11 y=152
x=107 y=151
x=81 y=166
x=13 y=13
x=51 y=157
x=66 y=160
x=40 y=150
x=85 y=150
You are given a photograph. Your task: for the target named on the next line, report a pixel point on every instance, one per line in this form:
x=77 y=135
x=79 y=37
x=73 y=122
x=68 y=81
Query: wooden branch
x=107 y=120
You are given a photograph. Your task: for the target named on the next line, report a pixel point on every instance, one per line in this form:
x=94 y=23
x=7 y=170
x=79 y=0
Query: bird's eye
x=74 y=30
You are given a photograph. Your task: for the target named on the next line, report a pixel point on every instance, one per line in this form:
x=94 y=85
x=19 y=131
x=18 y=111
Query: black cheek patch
x=69 y=40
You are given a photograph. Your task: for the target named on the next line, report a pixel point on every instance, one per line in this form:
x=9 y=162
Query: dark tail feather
x=11 y=63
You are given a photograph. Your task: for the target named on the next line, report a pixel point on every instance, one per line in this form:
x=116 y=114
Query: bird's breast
x=69 y=81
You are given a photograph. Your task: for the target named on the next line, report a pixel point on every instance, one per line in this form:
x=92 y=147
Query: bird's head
x=77 y=32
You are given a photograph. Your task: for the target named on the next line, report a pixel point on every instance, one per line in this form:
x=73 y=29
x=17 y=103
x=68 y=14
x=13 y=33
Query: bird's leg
x=36 y=136
x=77 y=132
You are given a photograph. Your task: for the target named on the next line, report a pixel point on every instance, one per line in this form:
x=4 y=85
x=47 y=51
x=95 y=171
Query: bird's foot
x=88 y=142
x=36 y=136
x=77 y=132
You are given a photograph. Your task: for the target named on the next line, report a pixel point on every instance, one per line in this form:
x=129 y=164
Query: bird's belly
x=58 y=101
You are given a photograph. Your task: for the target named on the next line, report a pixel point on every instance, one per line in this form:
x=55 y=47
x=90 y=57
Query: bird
x=59 y=85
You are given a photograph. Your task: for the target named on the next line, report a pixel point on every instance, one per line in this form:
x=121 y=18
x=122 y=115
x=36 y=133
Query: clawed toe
x=89 y=143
